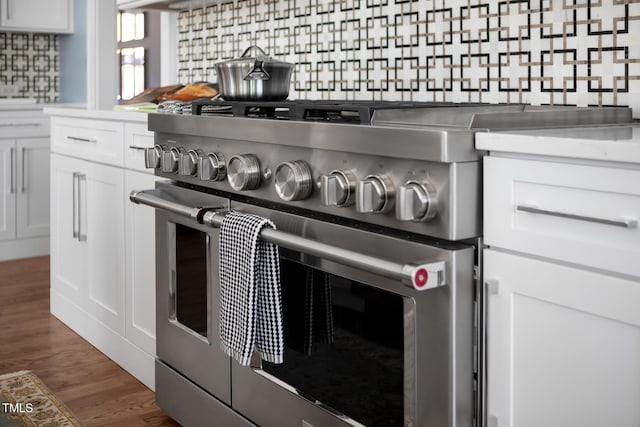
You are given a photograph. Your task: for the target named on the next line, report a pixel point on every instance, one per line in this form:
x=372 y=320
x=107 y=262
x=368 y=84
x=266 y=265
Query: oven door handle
x=421 y=276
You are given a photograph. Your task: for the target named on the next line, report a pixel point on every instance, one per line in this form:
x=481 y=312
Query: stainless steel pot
x=254 y=77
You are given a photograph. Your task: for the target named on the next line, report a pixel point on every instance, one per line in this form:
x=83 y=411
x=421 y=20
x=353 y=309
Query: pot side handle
x=257 y=72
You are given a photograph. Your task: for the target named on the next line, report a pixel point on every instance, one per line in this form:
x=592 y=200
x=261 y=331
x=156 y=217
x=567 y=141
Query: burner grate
x=354 y=112
x=268 y=109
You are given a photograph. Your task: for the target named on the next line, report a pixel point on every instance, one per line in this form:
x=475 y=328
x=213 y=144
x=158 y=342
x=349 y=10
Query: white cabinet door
x=7 y=189
x=563 y=345
x=140 y=264
x=33 y=187
x=51 y=16
x=102 y=229
x=68 y=251
x=87 y=238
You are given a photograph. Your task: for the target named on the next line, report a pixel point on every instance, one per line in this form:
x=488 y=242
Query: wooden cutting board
x=152 y=94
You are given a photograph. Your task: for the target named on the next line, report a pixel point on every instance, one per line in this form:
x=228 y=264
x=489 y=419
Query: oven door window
x=344 y=345
x=188 y=305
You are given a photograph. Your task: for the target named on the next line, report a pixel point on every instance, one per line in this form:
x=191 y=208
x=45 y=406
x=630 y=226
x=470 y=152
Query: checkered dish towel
x=250 y=296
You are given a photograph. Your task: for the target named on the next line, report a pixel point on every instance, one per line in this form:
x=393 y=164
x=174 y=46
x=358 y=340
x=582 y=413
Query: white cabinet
x=563 y=345
x=24 y=197
x=562 y=292
x=7 y=190
x=88 y=256
x=36 y=16
x=24 y=185
x=140 y=249
x=140 y=231
x=102 y=247
x=33 y=188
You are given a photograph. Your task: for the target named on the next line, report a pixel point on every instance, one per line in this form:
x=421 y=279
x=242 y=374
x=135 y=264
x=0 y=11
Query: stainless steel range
x=378 y=214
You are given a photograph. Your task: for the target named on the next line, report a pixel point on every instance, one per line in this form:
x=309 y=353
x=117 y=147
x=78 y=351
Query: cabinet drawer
x=136 y=139
x=95 y=140
x=19 y=126
x=576 y=213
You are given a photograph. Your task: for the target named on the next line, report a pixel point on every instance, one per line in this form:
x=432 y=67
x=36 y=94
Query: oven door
x=360 y=348
x=187 y=294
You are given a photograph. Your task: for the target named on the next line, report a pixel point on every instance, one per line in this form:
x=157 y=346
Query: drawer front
x=576 y=213
x=16 y=126
x=188 y=404
x=136 y=139
x=95 y=140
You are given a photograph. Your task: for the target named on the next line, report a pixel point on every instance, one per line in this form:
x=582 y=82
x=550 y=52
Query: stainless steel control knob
x=153 y=155
x=293 y=180
x=338 y=188
x=243 y=172
x=170 y=159
x=417 y=201
x=375 y=194
x=188 y=164
x=212 y=167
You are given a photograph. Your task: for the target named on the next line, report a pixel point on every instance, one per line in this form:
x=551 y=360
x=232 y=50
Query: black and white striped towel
x=250 y=295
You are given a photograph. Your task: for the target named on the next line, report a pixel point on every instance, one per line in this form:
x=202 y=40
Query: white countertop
x=612 y=143
x=127 y=116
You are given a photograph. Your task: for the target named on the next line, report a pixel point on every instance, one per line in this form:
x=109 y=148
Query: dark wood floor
x=97 y=391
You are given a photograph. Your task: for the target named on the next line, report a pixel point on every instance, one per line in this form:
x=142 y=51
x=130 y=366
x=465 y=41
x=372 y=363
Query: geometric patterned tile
x=578 y=52
x=29 y=65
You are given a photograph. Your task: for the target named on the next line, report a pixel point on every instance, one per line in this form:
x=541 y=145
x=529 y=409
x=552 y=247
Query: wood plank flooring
x=94 y=388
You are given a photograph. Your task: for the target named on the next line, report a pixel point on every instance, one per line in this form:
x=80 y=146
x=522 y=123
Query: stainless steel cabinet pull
x=421 y=276
x=625 y=223
x=75 y=203
x=17 y=124
x=12 y=171
x=135 y=147
x=22 y=184
x=76 y=138
x=9 y=10
x=82 y=237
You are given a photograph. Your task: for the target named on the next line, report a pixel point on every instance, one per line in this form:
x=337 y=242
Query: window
x=130 y=26
x=132 y=71
x=138 y=52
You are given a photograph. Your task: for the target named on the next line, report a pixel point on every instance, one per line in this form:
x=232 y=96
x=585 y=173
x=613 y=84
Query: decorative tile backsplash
x=29 y=66
x=578 y=52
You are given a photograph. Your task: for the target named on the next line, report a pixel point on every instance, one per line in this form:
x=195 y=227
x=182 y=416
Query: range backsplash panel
x=29 y=66
x=578 y=52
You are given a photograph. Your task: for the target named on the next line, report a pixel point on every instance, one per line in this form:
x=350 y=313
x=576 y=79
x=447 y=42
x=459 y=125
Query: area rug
x=26 y=402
